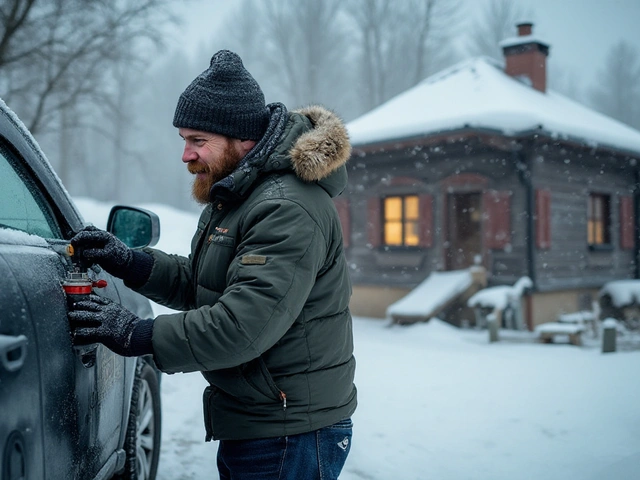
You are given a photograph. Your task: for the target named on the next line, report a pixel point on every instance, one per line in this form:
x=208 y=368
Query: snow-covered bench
x=547 y=331
x=583 y=317
x=588 y=319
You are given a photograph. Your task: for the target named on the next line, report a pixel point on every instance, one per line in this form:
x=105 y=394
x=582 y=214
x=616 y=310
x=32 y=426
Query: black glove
x=97 y=246
x=98 y=319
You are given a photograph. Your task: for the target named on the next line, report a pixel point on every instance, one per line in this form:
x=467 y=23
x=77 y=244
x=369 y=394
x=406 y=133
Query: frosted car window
x=21 y=204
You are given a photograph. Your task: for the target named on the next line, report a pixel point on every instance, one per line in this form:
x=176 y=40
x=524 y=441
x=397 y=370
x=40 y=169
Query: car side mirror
x=136 y=227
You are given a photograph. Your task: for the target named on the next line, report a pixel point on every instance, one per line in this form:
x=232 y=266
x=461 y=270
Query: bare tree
x=305 y=34
x=373 y=21
x=496 y=22
x=400 y=43
x=564 y=80
x=61 y=67
x=55 y=53
x=151 y=150
x=424 y=40
x=617 y=92
x=353 y=54
x=295 y=48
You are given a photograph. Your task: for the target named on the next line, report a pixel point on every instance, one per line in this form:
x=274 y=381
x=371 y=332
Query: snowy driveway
x=437 y=402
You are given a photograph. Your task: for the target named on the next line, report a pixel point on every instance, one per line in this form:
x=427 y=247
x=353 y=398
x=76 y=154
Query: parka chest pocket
x=217 y=252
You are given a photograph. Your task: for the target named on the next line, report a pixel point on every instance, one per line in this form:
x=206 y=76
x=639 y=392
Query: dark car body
x=64 y=410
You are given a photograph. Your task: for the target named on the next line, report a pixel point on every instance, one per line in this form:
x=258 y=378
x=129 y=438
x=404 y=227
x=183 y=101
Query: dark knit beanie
x=224 y=99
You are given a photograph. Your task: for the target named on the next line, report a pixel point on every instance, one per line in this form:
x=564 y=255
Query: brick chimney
x=526 y=57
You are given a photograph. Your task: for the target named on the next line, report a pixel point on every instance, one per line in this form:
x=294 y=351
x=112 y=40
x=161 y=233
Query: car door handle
x=87 y=354
x=13 y=351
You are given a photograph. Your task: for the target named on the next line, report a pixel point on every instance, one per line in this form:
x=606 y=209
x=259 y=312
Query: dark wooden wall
x=569 y=173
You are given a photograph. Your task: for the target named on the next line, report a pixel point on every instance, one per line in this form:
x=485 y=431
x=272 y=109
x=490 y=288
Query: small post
x=481 y=319
x=493 y=320
x=609 y=335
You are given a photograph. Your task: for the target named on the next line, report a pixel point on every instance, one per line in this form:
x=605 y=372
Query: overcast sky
x=580 y=32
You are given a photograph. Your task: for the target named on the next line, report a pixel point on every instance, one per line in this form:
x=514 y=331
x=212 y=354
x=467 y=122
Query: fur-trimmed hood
x=313 y=142
x=323 y=149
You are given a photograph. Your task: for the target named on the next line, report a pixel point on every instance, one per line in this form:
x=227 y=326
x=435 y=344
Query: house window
x=598 y=220
x=401 y=221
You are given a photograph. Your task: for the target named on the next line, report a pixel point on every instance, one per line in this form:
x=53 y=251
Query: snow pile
x=432 y=294
x=478 y=94
x=499 y=297
x=561 y=328
x=578 y=317
x=8 y=236
x=622 y=292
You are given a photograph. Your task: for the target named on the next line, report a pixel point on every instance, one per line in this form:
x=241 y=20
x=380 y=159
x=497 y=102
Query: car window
x=22 y=206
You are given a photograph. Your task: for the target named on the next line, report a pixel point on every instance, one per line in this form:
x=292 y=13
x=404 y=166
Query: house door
x=464 y=230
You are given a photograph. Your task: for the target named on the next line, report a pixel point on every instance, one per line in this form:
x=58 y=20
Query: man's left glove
x=98 y=319
x=97 y=246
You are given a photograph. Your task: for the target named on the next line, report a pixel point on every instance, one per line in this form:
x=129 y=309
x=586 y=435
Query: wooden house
x=481 y=164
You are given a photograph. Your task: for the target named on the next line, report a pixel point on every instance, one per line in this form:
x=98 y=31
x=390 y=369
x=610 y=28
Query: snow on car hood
x=9 y=236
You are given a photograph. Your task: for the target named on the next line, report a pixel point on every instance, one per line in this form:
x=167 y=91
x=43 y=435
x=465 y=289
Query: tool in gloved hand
x=98 y=319
x=97 y=246
x=77 y=284
x=93 y=245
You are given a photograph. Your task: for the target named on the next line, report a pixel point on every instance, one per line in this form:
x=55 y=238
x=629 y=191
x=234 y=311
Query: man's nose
x=188 y=155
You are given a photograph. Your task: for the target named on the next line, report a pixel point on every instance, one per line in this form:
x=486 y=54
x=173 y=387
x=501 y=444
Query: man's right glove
x=97 y=246
x=98 y=319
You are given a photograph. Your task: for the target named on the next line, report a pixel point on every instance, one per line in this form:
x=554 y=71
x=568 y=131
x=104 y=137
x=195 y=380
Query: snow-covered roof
x=521 y=40
x=477 y=93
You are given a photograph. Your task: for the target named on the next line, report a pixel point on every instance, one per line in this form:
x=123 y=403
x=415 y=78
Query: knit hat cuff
x=212 y=118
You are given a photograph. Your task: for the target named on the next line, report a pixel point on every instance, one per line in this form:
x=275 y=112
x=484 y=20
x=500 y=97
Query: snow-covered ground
x=436 y=402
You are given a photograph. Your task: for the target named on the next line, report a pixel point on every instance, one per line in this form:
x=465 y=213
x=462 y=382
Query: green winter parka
x=264 y=294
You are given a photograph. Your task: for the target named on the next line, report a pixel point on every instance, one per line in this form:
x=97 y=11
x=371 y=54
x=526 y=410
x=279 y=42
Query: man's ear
x=247 y=145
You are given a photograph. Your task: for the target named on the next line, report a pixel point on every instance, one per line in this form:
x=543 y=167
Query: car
x=68 y=412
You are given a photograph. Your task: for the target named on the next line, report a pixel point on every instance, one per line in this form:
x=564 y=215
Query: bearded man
x=263 y=299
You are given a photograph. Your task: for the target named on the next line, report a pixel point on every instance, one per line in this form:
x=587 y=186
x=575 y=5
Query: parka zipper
x=262 y=366
x=283 y=397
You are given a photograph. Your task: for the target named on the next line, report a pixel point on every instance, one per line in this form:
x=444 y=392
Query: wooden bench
x=586 y=318
x=547 y=331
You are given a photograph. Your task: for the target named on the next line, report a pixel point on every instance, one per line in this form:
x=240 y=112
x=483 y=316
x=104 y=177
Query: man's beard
x=222 y=168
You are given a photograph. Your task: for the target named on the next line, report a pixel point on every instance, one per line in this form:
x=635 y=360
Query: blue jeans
x=318 y=455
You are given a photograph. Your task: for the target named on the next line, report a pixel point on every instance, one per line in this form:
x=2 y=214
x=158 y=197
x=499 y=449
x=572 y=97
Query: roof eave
x=491 y=135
